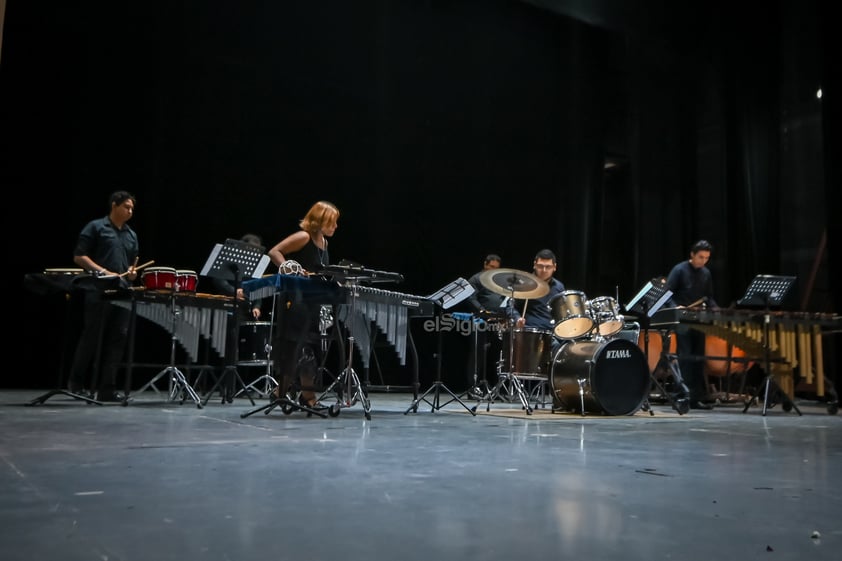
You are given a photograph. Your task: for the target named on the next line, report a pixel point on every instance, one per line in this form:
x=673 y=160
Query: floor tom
x=531 y=352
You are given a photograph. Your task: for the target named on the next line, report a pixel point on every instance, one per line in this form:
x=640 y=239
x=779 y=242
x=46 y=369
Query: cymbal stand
x=769 y=382
x=178 y=384
x=437 y=388
x=347 y=386
x=509 y=377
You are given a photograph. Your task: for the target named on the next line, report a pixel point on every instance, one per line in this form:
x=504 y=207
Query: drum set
x=590 y=361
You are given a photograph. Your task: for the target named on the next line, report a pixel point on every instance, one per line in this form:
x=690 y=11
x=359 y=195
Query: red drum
x=186 y=281
x=158 y=278
x=606 y=376
x=532 y=351
x=570 y=312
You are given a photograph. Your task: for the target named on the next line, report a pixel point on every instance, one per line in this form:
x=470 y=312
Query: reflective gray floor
x=158 y=481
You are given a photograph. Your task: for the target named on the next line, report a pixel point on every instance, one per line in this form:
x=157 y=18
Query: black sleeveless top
x=311 y=257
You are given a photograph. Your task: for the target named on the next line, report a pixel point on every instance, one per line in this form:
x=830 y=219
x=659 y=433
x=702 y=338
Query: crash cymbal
x=511 y=282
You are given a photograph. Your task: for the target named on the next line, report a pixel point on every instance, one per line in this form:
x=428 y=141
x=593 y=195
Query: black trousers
x=690 y=347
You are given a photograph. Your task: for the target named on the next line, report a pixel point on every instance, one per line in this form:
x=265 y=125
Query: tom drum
x=614 y=374
x=606 y=313
x=570 y=312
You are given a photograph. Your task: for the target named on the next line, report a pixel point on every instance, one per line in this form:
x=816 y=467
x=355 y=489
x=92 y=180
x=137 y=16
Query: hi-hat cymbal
x=514 y=283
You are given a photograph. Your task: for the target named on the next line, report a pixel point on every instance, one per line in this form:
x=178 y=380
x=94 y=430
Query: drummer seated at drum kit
x=535 y=313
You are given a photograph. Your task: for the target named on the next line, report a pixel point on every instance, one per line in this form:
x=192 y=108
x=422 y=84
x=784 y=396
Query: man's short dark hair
x=119 y=197
x=701 y=245
x=492 y=257
x=545 y=254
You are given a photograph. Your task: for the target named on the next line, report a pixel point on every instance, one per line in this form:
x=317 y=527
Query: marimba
x=795 y=338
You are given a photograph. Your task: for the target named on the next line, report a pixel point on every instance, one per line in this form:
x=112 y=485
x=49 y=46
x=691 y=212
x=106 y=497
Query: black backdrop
x=443 y=130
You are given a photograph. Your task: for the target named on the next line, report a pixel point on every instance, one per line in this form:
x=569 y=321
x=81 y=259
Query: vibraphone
x=795 y=338
x=390 y=311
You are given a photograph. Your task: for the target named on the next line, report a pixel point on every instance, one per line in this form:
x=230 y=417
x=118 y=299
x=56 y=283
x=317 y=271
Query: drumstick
x=136 y=269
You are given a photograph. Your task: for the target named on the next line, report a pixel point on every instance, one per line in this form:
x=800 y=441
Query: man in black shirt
x=692 y=286
x=108 y=248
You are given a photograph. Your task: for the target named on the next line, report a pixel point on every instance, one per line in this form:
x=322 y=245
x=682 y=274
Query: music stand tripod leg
x=436 y=389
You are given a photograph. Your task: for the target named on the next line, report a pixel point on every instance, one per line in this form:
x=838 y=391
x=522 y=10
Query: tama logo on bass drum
x=617 y=353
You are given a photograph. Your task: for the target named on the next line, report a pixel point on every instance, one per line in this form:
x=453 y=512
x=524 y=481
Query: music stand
x=645 y=304
x=232 y=261
x=768 y=291
x=651 y=298
x=447 y=297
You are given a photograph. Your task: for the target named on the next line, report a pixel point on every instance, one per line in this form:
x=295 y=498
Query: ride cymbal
x=511 y=282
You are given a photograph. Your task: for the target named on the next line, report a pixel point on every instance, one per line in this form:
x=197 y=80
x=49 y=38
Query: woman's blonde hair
x=320 y=215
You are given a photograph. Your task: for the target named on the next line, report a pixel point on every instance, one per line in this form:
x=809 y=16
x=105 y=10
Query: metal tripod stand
x=347 y=386
x=178 y=384
x=438 y=387
x=266 y=379
x=667 y=362
x=768 y=382
x=509 y=379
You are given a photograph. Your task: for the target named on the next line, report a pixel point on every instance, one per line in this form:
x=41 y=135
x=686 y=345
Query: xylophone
x=795 y=338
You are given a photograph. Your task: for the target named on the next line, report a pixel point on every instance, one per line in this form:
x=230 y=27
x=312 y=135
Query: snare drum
x=158 y=278
x=253 y=342
x=570 y=312
x=532 y=351
x=606 y=312
x=186 y=280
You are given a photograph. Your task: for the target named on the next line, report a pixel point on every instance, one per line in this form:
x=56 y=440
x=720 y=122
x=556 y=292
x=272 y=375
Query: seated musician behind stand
x=485 y=304
x=691 y=284
x=227 y=288
x=298 y=319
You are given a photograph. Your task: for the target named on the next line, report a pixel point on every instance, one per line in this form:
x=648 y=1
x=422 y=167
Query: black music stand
x=768 y=291
x=646 y=304
x=447 y=297
x=232 y=261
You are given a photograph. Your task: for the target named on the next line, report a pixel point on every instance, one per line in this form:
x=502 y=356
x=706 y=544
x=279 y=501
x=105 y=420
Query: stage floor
x=157 y=480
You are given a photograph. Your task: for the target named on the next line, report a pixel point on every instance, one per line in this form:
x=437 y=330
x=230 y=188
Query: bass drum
x=614 y=374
